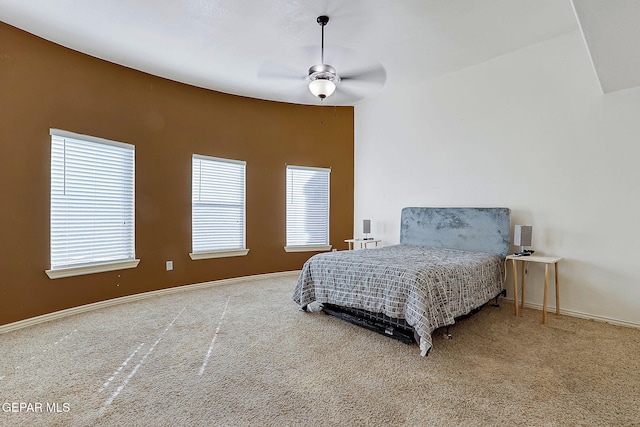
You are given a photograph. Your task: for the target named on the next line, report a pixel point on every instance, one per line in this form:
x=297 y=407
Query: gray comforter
x=428 y=287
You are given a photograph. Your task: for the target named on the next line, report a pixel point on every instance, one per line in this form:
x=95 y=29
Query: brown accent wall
x=43 y=86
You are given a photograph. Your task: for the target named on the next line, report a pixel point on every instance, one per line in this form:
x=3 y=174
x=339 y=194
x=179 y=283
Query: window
x=307 y=209
x=92 y=205
x=217 y=207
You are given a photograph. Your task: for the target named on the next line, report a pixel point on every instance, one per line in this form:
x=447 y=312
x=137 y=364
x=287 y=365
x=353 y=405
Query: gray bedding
x=428 y=287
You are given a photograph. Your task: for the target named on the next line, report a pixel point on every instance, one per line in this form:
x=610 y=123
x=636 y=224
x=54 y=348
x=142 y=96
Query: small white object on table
x=362 y=243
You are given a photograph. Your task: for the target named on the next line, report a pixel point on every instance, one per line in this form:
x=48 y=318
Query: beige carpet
x=243 y=354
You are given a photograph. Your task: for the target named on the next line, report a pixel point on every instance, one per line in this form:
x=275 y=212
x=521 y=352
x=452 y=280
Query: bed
x=450 y=262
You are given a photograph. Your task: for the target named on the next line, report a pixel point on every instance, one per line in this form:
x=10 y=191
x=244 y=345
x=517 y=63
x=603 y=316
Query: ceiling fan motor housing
x=323 y=71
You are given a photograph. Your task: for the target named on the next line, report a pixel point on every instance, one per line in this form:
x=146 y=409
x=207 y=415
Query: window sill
x=218 y=254
x=59 y=273
x=311 y=248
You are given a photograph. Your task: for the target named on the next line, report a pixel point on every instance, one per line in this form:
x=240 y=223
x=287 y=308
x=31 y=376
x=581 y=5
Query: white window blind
x=218 y=204
x=307 y=206
x=92 y=201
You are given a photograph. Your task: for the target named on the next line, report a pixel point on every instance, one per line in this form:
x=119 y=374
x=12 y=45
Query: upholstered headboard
x=471 y=229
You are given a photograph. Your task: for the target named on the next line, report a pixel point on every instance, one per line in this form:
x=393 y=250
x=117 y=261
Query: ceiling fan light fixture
x=323 y=80
x=322 y=88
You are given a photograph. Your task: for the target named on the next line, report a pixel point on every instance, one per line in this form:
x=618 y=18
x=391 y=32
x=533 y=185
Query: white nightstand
x=362 y=243
x=546 y=260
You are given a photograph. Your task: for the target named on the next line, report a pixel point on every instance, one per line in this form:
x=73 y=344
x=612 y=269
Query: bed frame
x=471 y=229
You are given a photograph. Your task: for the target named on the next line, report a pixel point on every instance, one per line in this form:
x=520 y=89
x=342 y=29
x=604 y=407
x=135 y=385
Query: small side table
x=362 y=243
x=547 y=261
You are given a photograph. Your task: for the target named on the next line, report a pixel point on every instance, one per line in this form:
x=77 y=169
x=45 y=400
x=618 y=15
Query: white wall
x=530 y=131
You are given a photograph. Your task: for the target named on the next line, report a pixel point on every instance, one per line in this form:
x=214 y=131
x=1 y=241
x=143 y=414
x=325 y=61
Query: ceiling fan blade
x=374 y=75
x=353 y=90
x=346 y=94
x=274 y=70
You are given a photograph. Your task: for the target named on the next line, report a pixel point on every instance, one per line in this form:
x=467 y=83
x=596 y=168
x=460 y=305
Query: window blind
x=92 y=200
x=218 y=204
x=307 y=206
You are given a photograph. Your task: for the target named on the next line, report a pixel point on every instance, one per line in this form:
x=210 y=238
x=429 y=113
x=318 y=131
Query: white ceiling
x=611 y=29
x=263 y=49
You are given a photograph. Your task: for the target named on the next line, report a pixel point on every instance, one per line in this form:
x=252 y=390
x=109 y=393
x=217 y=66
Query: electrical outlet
x=169 y=265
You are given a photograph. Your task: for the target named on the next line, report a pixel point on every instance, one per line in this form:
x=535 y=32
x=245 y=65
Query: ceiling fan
x=323 y=78
x=359 y=76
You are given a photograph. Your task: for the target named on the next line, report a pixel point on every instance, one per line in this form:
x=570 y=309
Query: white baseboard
x=9 y=327
x=572 y=313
